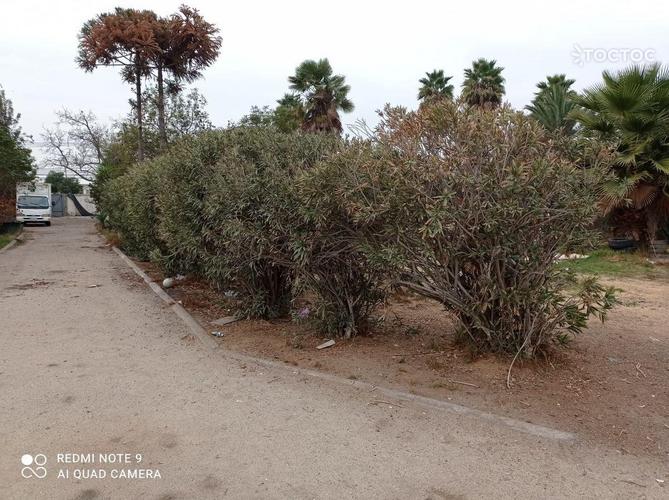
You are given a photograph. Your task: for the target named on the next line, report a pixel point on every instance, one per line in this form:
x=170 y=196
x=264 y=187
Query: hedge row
x=468 y=207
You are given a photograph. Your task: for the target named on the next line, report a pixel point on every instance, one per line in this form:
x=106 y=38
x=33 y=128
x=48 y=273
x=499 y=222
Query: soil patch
x=610 y=386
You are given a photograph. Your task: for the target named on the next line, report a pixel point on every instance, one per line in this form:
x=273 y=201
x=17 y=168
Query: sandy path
x=110 y=369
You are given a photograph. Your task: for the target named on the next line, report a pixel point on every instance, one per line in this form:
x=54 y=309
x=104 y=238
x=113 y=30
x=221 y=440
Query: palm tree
x=322 y=95
x=188 y=44
x=289 y=114
x=553 y=102
x=124 y=38
x=560 y=80
x=435 y=86
x=631 y=108
x=484 y=84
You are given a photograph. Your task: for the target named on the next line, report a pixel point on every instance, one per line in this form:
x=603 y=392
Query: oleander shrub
x=476 y=205
x=220 y=205
x=467 y=206
x=185 y=183
x=250 y=212
x=128 y=203
x=331 y=244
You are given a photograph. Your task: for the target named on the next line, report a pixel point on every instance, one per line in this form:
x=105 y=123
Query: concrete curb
x=178 y=309
x=12 y=243
x=8 y=246
x=210 y=342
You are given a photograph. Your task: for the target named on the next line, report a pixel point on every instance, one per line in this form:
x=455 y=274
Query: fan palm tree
x=560 y=80
x=289 y=113
x=631 y=107
x=553 y=102
x=483 y=84
x=435 y=86
x=323 y=95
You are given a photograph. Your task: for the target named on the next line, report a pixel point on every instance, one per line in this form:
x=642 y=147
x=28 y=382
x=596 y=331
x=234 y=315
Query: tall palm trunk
x=653 y=221
x=323 y=115
x=140 y=121
x=162 y=130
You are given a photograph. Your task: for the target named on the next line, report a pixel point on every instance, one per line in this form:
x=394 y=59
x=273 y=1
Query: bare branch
x=76 y=143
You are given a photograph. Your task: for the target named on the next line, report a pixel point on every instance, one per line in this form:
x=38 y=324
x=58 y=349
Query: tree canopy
x=145 y=45
x=125 y=38
x=321 y=94
x=553 y=102
x=483 y=84
x=16 y=162
x=631 y=109
x=61 y=184
x=435 y=86
x=188 y=44
x=287 y=116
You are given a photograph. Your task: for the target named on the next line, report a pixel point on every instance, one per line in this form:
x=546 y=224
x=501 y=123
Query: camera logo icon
x=33 y=466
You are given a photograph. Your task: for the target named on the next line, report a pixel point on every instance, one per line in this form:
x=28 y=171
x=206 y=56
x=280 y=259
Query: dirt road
x=92 y=362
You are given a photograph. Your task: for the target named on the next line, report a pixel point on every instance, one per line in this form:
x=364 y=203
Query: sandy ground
x=109 y=369
x=611 y=385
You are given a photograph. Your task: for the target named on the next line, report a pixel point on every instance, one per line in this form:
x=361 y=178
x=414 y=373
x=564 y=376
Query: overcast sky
x=382 y=48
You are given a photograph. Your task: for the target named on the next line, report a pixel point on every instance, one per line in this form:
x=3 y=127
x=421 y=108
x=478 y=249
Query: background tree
x=182 y=113
x=185 y=114
x=483 y=84
x=322 y=94
x=76 y=143
x=258 y=117
x=61 y=184
x=552 y=81
x=289 y=114
x=125 y=38
x=188 y=44
x=16 y=162
x=435 y=86
x=631 y=108
x=553 y=102
x=286 y=117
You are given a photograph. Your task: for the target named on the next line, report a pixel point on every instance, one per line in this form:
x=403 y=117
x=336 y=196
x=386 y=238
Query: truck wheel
x=48 y=223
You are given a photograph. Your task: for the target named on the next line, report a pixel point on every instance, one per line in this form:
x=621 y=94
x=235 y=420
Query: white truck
x=33 y=202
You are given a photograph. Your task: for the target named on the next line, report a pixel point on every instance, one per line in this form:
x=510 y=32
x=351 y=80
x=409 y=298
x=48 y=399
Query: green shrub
x=220 y=205
x=250 y=213
x=477 y=204
x=466 y=206
x=331 y=244
x=128 y=205
x=185 y=182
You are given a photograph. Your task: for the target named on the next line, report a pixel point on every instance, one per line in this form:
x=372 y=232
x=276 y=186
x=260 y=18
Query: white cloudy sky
x=383 y=48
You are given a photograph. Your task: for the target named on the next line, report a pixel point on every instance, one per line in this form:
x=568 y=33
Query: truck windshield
x=34 y=202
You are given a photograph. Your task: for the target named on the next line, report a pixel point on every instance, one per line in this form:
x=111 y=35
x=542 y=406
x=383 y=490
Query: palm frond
x=662 y=165
x=435 y=86
x=321 y=94
x=483 y=84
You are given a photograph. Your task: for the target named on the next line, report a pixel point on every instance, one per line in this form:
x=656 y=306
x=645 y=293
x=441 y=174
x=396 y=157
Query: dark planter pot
x=658 y=247
x=621 y=244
